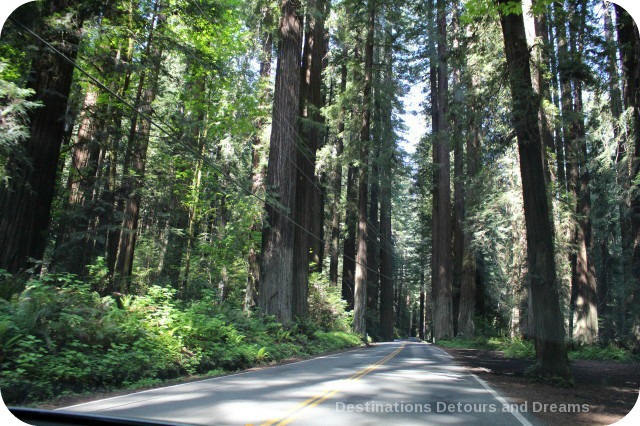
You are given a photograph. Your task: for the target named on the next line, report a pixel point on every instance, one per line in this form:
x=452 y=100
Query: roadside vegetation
x=525 y=349
x=59 y=337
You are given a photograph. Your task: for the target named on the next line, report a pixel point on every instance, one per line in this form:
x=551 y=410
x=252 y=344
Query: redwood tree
x=551 y=351
x=629 y=39
x=360 y=287
x=25 y=206
x=136 y=153
x=442 y=265
x=275 y=292
x=308 y=192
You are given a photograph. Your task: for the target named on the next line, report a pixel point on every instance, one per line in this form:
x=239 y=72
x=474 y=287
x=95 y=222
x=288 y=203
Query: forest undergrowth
x=59 y=337
x=524 y=349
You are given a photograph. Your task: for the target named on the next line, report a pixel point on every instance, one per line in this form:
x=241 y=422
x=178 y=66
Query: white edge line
x=503 y=401
x=493 y=393
x=204 y=380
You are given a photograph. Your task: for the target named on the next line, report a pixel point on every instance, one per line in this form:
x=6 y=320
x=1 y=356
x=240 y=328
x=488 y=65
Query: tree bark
x=25 y=207
x=458 y=170
x=551 y=353
x=536 y=30
x=562 y=142
x=137 y=156
x=257 y=169
x=308 y=191
x=442 y=267
x=583 y=286
x=337 y=180
x=275 y=293
x=73 y=243
x=386 y=248
x=360 y=290
x=555 y=97
x=605 y=289
x=421 y=315
x=186 y=172
x=629 y=40
x=386 y=255
x=373 y=248
x=561 y=17
x=349 y=244
x=466 y=312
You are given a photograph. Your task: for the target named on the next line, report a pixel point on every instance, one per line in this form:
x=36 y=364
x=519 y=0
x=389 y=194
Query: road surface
x=402 y=383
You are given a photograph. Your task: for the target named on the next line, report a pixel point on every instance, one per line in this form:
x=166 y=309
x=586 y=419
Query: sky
x=414 y=118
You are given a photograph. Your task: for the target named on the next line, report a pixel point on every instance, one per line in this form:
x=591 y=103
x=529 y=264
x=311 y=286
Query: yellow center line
x=318 y=399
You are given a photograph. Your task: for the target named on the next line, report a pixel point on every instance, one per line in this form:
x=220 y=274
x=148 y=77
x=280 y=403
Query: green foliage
x=474 y=343
x=512 y=348
x=610 y=352
x=515 y=348
x=524 y=349
x=479 y=8
x=14 y=107
x=336 y=340
x=327 y=309
x=59 y=336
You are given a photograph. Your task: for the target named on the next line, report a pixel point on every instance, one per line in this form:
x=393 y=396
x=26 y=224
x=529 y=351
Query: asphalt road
x=403 y=383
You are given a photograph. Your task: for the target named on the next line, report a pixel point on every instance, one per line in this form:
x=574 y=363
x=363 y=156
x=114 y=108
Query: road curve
x=403 y=383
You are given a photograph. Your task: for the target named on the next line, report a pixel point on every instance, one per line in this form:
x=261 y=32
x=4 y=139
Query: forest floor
x=609 y=388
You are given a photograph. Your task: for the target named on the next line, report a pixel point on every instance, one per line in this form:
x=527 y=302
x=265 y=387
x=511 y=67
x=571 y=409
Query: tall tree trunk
x=337 y=180
x=458 y=171
x=349 y=244
x=583 y=286
x=257 y=169
x=433 y=97
x=85 y=217
x=536 y=30
x=561 y=17
x=629 y=40
x=174 y=243
x=605 y=289
x=422 y=298
x=193 y=219
x=73 y=244
x=317 y=132
x=275 y=293
x=555 y=95
x=111 y=196
x=137 y=156
x=360 y=288
x=308 y=192
x=386 y=255
x=551 y=352
x=373 y=248
x=25 y=206
x=442 y=267
x=399 y=287
x=179 y=215
x=562 y=142
x=466 y=311
x=386 y=244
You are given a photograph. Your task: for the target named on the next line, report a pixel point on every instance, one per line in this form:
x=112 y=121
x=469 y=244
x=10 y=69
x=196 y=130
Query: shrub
x=606 y=353
x=512 y=348
x=59 y=336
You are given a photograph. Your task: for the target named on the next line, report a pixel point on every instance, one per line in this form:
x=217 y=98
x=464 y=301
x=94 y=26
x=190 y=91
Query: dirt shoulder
x=610 y=389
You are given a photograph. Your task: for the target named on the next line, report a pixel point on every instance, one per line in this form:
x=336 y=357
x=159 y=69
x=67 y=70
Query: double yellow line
x=318 y=399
